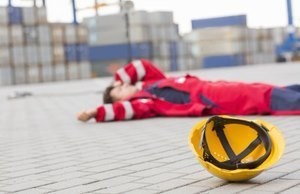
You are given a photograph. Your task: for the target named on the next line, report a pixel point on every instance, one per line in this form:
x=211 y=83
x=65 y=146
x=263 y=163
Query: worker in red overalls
x=141 y=91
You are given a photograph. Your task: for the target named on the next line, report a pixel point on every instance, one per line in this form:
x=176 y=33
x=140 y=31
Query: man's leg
x=295 y=87
x=285 y=101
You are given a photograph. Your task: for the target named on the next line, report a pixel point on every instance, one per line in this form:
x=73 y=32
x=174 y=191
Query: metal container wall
x=70 y=34
x=46 y=54
x=29 y=15
x=84 y=69
x=4 y=34
x=4 y=16
x=152 y=35
x=6 y=77
x=47 y=73
x=58 y=53
x=17 y=37
x=33 y=74
x=237 y=20
x=30 y=35
x=59 y=72
x=19 y=75
x=18 y=56
x=73 y=71
x=210 y=44
x=41 y=14
x=44 y=34
x=34 y=49
x=57 y=34
x=31 y=55
x=4 y=57
x=15 y=15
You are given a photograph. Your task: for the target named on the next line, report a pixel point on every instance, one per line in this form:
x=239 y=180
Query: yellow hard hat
x=236 y=149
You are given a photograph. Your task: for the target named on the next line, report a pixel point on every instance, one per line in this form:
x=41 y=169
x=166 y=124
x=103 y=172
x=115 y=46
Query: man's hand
x=86 y=115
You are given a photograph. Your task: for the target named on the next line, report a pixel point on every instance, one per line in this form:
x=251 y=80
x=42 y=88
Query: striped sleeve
x=124 y=110
x=138 y=70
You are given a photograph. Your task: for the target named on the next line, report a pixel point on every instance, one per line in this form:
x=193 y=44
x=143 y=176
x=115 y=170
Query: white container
x=184 y=49
x=3 y=15
x=82 y=34
x=47 y=73
x=138 y=18
x=59 y=72
x=18 y=56
x=16 y=32
x=30 y=35
x=41 y=13
x=33 y=74
x=19 y=75
x=44 y=34
x=4 y=36
x=105 y=21
x=267 y=46
x=6 y=76
x=4 y=57
x=161 y=49
x=221 y=47
x=57 y=32
x=183 y=64
x=163 y=33
x=45 y=54
x=85 y=70
x=278 y=35
x=220 y=33
x=58 y=53
x=29 y=15
x=104 y=37
x=161 y=17
x=32 y=55
x=70 y=34
x=107 y=38
x=73 y=71
x=162 y=63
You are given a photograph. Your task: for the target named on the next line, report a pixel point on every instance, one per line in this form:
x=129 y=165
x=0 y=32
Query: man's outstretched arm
x=139 y=70
x=123 y=110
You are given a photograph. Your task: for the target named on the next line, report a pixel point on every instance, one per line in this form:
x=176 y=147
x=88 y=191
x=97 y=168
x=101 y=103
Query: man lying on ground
x=141 y=90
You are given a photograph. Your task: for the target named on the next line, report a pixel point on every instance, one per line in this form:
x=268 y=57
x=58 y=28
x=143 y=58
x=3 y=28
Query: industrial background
x=34 y=50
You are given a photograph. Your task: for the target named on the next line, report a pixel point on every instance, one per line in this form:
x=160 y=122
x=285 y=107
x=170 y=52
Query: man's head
x=118 y=91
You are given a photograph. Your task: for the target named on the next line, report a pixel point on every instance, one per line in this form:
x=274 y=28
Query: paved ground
x=43 y=149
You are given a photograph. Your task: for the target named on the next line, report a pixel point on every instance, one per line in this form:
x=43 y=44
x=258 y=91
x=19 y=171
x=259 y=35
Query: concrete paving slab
x=43 y=149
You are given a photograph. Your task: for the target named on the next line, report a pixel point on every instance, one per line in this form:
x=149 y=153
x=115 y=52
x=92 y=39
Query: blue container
x=173 y=64
x=15 y=15
x=108 y=52
x=119 y=51
x=82 y=52
x=173 y=49
x=223 y=60
x=239 y=20
x=71 y=52
x=141 y=50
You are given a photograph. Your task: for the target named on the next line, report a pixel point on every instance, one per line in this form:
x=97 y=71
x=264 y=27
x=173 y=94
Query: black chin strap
x=234 y=161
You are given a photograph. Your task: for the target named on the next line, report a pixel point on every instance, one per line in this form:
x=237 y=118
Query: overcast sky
x=260 y=13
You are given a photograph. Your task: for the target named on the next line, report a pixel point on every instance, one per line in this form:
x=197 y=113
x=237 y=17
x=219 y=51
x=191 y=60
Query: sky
x=260 y=13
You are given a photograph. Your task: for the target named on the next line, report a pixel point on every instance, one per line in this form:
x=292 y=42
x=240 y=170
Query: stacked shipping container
x=262 y=42
x=227 y=41
x=219 y=41
x=152 y=35
x=218 y=47
x=33 y=50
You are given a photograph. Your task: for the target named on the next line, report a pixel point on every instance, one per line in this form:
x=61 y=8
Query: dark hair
x=107 y=98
